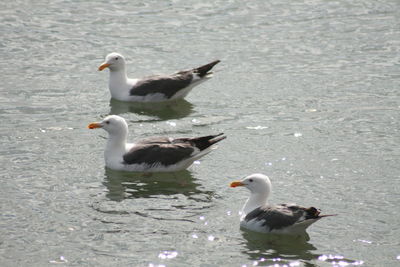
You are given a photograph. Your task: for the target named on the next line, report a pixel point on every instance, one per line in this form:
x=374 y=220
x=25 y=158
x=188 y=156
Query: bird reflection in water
x=278 y=249
x=122 y=185
x=169 y=110
x=287 y=250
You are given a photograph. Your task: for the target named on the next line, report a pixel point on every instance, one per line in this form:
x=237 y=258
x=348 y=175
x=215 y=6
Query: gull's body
x=154 y=88
x=157 y=154
x=257 y=215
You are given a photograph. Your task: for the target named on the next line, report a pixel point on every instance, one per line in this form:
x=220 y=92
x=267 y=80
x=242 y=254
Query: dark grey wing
x=276 y=217
x=167 y=140
x=155 y=140
x=168 y=85
x=168 y=151
x=165 y=154
x=201 y=142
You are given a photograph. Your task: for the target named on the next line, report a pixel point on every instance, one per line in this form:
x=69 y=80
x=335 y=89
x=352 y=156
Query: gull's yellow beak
x=103 y=66
x=94 y=125
x=236 y=183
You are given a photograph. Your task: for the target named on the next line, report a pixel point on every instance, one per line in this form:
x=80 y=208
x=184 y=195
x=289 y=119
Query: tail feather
x=204 y=70
x=207 y=141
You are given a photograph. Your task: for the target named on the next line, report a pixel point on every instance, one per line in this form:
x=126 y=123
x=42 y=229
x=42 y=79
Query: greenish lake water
x=307 y=93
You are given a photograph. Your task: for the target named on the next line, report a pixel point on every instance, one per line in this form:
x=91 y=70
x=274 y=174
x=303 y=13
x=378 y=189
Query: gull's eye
x=116 y=58
x=107 y=122
x=251 y=180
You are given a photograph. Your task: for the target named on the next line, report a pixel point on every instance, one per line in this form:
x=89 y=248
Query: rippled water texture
x=307 y=93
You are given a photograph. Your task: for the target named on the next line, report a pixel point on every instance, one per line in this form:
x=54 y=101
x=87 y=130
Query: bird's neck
x=116 y=144
x=118 y=77
x=118 y=84
x=255 y=200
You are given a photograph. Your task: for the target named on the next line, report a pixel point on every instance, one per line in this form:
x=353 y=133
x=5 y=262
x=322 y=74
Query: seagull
x=156 y=154
x=258 y=216
x=155 y=88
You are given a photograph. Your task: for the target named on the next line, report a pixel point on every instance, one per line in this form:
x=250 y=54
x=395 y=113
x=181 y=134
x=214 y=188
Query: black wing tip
x=218 y=134
x=211 y=64
x=204 y=142
x=210 y=137
x=218 y=137
x=327 y=215
x=204 y=70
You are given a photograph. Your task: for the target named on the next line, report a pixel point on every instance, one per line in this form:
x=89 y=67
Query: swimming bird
x=156 y=154
x=152 y=88
x=257 y=215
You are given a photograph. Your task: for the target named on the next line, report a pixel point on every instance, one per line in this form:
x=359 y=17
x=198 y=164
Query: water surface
x=307 y=93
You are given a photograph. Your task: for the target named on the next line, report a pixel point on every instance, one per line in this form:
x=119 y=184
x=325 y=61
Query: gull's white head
x=113 y=124
x=113 y=61
x=257 y=183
